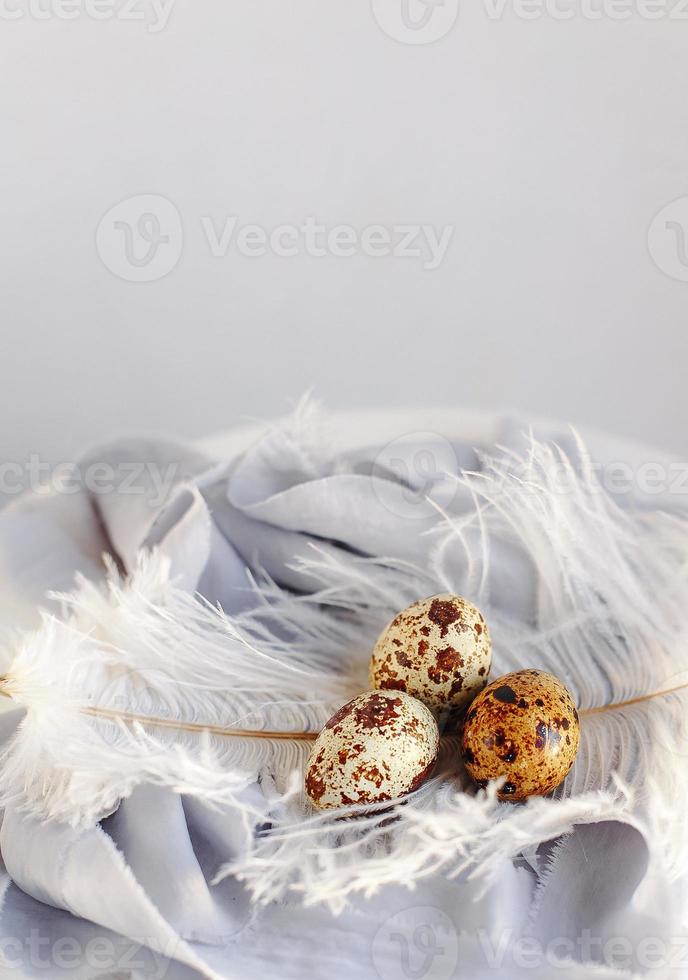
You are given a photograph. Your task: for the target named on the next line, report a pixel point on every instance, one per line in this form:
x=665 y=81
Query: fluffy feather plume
x=608 y=617
x=144 y=649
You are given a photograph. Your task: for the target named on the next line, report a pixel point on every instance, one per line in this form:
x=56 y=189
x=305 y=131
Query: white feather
x=609 y=616
x=146 y=648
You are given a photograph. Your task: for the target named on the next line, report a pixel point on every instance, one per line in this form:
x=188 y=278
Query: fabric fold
x=288 y=507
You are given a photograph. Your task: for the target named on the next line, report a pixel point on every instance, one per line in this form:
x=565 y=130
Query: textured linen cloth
x=133 y=896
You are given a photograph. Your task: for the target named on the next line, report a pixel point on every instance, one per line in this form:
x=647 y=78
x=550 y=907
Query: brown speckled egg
x=438 y=650
x=523 y=726
x=380 y=745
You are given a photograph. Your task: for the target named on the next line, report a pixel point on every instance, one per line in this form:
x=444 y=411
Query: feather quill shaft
x=143 y=683
x=130 y=717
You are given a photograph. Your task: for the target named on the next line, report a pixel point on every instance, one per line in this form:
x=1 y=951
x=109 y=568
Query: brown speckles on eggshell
x=421 y=777
x=383 y=745
x=370 y=773
x=505 y=694
x=448 y=664
x=315 y=787
x=520 y=737
x=442 y=651
x=339 y=716
x=444 y=612
x=395 y=684
x=376 y=711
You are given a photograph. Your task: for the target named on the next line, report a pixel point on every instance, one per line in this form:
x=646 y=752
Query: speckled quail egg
x=437 y=649
x=523 y=726
x=377 y=747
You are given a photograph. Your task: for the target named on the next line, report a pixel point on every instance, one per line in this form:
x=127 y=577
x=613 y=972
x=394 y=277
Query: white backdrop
x=525 y=155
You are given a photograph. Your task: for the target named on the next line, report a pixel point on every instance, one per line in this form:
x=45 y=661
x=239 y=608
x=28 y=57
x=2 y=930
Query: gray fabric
x=146 y=872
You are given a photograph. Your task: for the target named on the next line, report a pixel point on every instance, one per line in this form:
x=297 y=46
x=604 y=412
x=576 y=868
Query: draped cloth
x=133 y=896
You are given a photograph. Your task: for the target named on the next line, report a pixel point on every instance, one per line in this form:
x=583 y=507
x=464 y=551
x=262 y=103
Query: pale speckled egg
x=437 y=649
x=380 y=745
x=524 y=726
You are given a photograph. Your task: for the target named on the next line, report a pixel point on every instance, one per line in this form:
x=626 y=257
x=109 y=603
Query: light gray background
x=548 y=145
